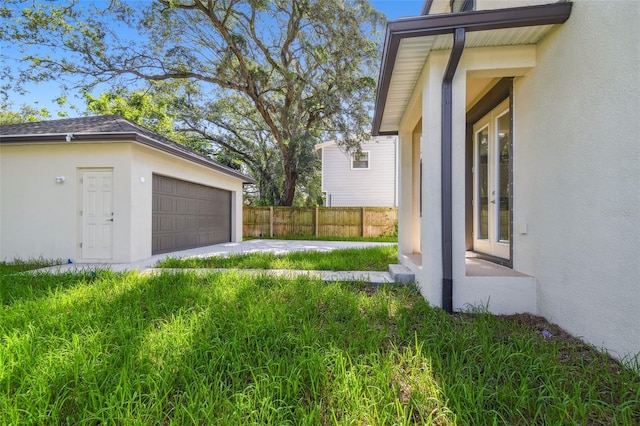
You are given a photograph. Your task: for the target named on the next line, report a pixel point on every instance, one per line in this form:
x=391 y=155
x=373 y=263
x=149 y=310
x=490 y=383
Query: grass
x=183 y=348
x=20 y=265
x=381 y=239
x=356 y=259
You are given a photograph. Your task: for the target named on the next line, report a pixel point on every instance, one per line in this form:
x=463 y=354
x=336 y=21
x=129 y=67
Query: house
x=518 y=127
x=103 y=189
x=364 y=179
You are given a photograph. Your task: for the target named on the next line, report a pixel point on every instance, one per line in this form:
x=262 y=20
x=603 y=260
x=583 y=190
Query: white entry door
x=492 y=183
x=97 y=214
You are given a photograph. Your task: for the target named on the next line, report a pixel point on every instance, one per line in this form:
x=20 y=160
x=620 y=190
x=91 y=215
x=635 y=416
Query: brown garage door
x=187 y=215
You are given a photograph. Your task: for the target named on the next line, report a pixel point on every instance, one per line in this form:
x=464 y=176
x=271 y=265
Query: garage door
x=187 y=215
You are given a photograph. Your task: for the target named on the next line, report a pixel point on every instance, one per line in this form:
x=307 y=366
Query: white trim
x=351 y=160
x=322 y=167
x=325 y=144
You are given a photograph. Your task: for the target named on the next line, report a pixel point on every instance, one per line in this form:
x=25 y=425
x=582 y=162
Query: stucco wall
x=146 y=163
x=577 y=174
x=42 y=218
x=373 y=187
x=430 y=280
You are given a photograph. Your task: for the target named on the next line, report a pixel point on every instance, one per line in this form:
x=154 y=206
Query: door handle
x=110 y=220
x=492 y=202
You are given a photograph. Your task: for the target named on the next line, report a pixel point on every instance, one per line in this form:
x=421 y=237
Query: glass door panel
x=492 y=183
x=503 y=191
x=482 y=141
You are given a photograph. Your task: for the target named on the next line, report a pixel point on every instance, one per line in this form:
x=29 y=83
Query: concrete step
x=401 y=274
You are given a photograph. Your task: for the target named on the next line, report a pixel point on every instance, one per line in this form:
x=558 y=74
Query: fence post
x=363 y=224
x=315 y=231
x=271 y=221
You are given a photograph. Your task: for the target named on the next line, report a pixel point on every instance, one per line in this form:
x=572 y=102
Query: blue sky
x=398 y=8
x=42 y=95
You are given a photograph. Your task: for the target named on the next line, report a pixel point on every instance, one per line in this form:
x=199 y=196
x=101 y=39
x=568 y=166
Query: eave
x=431 y=26
x=98 y=137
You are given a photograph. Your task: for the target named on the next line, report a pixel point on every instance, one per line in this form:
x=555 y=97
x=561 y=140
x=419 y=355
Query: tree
x=24 y=115
x=304 y=68
x=226 y=130
x=154 y=108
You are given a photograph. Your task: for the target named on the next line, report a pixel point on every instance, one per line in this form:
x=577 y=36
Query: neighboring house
x=103 y=189
x=365 y=179
x=527 y=121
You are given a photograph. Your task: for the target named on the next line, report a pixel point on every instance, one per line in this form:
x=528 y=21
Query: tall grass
x=21 y=265
x=231 y=349
x=354 y=259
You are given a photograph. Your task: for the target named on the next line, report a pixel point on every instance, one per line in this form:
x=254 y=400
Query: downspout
x=426 y=7
x=446 y=169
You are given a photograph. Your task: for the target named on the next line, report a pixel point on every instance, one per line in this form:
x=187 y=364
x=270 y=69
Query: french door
x=492 y=182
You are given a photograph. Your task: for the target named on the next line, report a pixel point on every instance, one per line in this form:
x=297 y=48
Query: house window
x=360 y=160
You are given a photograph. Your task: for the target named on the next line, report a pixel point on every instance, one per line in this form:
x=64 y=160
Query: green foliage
x=156 y=108
x=271 y=78
x=25 y=114
x=146 y=108
x=105 y=348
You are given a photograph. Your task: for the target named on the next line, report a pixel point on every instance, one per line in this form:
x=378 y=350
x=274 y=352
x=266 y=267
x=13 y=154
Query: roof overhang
x=409 y=41
x=325 y=144
x=115 y=137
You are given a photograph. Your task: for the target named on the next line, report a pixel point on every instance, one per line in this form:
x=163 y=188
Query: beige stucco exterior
x=39 y=217
x=576 y=176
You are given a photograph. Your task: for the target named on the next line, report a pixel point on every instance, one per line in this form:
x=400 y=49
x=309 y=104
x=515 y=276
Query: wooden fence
x=367 y=222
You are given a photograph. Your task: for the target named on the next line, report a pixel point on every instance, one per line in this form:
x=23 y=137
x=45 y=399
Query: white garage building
x=103 y=189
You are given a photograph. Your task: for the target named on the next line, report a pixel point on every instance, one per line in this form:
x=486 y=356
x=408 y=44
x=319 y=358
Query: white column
x=405 y=196
x=431 y=229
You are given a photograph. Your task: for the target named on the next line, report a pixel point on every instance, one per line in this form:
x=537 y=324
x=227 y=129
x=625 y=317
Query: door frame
x=81 y=216
x=491 y=245
x=501 y=91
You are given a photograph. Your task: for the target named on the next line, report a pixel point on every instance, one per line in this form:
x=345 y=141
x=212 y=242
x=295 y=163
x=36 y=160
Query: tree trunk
x=291 y=177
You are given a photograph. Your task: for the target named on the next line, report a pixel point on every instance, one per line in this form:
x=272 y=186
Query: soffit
x=440 y=6
x=414 y=51
x=409 y=41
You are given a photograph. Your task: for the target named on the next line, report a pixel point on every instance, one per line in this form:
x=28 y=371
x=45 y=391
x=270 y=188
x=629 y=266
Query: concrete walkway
x=149 y=266
x=371 y=277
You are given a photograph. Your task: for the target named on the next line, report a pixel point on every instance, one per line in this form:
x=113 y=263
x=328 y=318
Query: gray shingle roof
x=105 y=127
x=97 y=124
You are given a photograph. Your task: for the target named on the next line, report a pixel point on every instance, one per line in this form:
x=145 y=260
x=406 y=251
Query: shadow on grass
x=31 y=286
x=230 y=349
x=76 y=346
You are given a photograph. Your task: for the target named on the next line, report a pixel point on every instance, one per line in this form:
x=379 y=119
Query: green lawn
x=20 y=265
x=355 y=259
x=381 y=239
x=230 y=349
